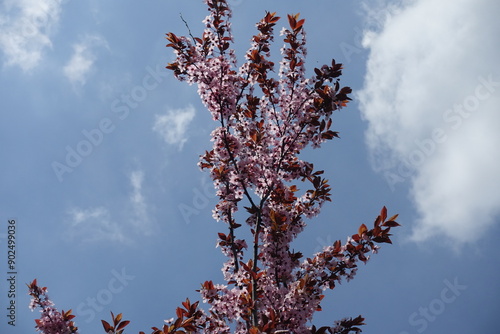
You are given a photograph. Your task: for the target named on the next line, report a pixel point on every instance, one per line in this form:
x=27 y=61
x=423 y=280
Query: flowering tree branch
x=264 y=122
x=255 y=159
x=51 y=320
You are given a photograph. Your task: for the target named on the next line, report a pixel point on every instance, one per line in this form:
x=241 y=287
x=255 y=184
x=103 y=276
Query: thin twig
x=187 y=26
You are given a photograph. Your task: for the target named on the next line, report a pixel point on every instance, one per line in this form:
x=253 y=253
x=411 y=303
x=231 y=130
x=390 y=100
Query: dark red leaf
x=391 y=223
x=122 y=325
x=383 y=213
x=107 y=326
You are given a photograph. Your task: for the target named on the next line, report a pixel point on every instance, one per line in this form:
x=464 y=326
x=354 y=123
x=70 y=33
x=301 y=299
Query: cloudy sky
x=100 y=145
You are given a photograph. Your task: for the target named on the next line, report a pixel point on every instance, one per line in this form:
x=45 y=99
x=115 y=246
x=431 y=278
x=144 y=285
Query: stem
x=233 y=248
x=254 y=269
x=187 y=26
x=256 y=256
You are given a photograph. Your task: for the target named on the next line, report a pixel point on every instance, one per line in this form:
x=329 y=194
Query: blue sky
x=100 y=145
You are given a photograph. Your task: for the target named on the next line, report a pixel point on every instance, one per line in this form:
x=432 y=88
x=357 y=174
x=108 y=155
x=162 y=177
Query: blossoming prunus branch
x=264 y=122
x=51 y=320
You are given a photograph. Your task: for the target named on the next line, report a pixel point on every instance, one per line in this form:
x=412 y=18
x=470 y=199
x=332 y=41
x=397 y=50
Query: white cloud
x=140 y=218
x=431 y=99
x=25 y=30
x=83 y=58
x=173 y=126
x=93 y=224
x=122 y=225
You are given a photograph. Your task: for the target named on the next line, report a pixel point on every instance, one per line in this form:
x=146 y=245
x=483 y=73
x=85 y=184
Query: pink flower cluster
x=51 y=320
